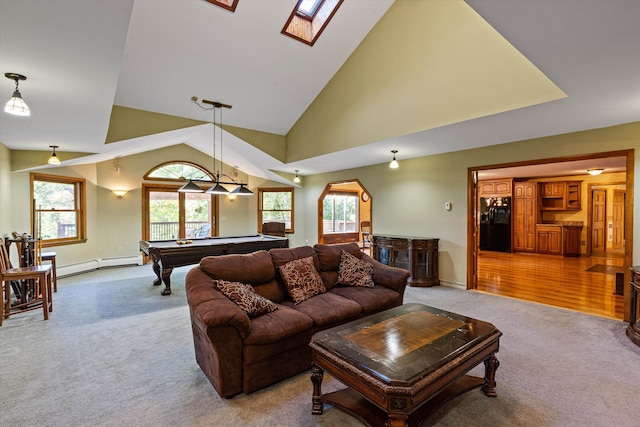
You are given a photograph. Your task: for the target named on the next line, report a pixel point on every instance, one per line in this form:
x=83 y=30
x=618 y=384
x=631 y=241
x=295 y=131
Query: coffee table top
x=406 y=343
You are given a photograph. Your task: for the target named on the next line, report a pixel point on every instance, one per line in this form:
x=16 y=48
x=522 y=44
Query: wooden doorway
x=343 y=207
x=627 y=185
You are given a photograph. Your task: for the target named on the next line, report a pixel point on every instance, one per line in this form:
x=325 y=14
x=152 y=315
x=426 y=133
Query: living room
x=409 y=200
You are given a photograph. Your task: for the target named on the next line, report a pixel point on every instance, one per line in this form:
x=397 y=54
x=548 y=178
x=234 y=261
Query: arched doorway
x=343 y=208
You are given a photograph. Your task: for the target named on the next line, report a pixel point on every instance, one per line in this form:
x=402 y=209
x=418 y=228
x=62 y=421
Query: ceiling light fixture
x=296 y=178
x=595 y=172
x=394 y=163
x=218 y=188
x=16 y=104
x=53 y=160
x=190 y=187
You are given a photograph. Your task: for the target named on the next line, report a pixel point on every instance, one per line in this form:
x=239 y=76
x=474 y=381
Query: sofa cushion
x=301 y=279
x=328 y=309
x=245 y=297
x=370 y=299
x=353 y=272
x=281 y=256
x=329 y=255
x=253 y=268
x=278 y=326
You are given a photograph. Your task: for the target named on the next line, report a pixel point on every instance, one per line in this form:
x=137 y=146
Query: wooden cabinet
x=549 y=239
x=559 y=195
x=419 y=255
x=633 y=330
x=558 y=239
x=495 y=188
x=571 y=240
x=525 y=216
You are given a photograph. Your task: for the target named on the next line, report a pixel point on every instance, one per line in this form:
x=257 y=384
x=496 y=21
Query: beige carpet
x=117 y=353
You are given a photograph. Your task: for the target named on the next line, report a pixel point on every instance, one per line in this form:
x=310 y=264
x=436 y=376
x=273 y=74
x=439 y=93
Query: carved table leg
x=156 y=269
x=397 y=420
x=490 y=365
x=166 y=278
x=316 y=378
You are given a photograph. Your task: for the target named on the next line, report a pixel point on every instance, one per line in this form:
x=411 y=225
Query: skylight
x=309 y=7
x=309 y=18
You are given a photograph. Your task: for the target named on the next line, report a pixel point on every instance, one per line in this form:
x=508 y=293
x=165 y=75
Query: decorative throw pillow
x=245 y=297
x=301 y=279
x=354 y=272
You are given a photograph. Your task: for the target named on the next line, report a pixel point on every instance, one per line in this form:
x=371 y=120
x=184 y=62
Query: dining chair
x=36 y=278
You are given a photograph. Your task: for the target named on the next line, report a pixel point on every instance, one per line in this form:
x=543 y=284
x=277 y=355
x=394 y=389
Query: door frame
x=472 y=224
x=363 y=191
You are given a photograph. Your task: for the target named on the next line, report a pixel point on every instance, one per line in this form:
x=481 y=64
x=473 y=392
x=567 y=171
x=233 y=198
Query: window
x=169 y=214
x=276 y=204
x=309 y=18
x=179 y=171
x=308 y=8
x=59 y=216
x=340 y=213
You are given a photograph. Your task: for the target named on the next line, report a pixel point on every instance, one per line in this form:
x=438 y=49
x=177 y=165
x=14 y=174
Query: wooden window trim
x=305 y=30
x=80 y=185
x=290 y=230
x=230 y=5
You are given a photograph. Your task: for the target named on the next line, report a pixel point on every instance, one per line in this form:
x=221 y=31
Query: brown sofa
x=242 y=354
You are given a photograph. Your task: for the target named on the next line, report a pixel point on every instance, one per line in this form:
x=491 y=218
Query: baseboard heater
x=83 y=267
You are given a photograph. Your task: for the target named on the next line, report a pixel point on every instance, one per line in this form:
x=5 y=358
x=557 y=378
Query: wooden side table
x=419 y=255
x=633 y=330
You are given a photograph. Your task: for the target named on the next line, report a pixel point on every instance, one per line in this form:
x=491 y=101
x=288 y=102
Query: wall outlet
x=447 y=206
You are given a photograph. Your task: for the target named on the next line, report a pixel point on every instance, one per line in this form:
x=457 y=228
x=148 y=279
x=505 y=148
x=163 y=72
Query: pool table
x=167 y=254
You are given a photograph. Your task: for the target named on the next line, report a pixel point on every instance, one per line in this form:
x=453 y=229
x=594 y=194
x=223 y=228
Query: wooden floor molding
x=554 y=280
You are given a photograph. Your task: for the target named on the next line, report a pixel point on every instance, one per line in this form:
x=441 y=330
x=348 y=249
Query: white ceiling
x=82 y=57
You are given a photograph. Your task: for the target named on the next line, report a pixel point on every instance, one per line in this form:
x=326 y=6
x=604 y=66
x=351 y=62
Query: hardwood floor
x=554 y=280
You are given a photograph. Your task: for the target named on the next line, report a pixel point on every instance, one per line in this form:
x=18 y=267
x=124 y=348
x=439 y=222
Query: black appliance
x=495 y=224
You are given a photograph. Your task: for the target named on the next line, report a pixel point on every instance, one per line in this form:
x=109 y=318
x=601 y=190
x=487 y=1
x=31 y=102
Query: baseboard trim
x=83 y=267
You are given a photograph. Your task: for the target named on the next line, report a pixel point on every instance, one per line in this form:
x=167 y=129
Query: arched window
x=179 y=171
x=169 y=214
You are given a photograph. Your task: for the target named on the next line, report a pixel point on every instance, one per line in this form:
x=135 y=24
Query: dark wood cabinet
x=419 y=255
x=633 y=330
x=571 y=240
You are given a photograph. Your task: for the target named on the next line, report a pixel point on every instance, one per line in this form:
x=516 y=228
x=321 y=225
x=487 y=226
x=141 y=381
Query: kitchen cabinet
x=495 y=188
x=559 y=195
x=525 y=216
x=549 y=239
x=419 y=255
x=559 y=238
x=571 y=240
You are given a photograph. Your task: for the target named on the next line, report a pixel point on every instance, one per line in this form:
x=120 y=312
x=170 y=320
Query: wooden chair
x=365 y=229
x=274 y=229
x=44 y=256
x=37 y=278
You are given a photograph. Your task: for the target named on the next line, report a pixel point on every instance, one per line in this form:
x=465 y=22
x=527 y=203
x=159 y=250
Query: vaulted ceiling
x=83 y=57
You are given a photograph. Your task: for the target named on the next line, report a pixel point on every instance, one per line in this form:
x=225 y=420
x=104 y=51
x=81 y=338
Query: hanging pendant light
x=218 y=188
x=296 y=179
x=190 y=187
x=394 y=163
x=53 y=160
x=16 y=104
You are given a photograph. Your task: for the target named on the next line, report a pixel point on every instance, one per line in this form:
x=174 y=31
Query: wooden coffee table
x=401 y=364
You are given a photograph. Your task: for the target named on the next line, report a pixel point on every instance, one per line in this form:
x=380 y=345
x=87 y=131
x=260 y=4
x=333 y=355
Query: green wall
x=409 y=200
